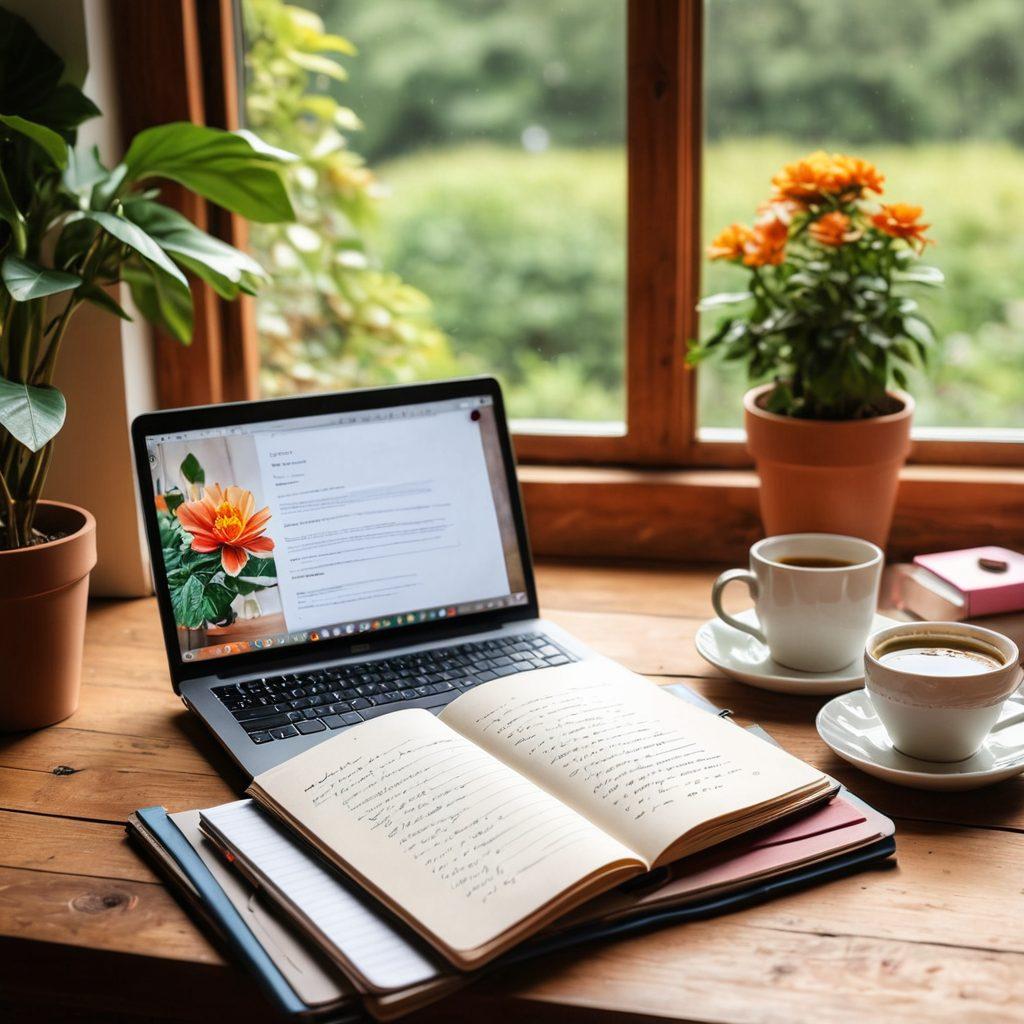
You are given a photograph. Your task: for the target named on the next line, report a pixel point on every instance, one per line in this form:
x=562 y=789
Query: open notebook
x=526 y=798
x=323 y=917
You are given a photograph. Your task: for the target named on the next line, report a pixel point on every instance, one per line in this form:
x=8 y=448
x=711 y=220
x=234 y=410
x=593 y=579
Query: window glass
x=929 y=90
x=461 y=196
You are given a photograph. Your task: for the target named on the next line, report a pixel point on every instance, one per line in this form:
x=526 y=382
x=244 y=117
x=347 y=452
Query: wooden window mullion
x=664 y=138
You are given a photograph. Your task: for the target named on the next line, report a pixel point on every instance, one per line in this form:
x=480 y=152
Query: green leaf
x=163 y=300
x=9 y=212
x=99 y=297
x=259 y=569
x=918 y=330
x=921 y=275
x=227 y=168
x=29 y=69
x=33 y=415
x=173 y=498
x=45 y=138
x=187 y=602
x=192 y=470
x=721 y=299
x=84 y=170
x=135 y=238
x=317 y=64
x=217 y=599
x=64 y=109
x=257 y=574
x=227 y=269
x=25 y=281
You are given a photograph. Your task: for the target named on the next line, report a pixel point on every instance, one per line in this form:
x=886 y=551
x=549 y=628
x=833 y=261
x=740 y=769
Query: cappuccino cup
x=814 y=594
x=939 y=687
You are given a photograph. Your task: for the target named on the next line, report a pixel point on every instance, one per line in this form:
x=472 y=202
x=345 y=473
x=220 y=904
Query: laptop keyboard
x=300 y=703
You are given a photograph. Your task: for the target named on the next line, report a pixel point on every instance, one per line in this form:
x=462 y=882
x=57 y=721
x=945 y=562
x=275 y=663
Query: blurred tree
x=332 y=318
x=441 y=72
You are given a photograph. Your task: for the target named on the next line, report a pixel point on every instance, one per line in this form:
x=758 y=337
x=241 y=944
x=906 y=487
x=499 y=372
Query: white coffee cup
x=811 y=619
x=937 y=715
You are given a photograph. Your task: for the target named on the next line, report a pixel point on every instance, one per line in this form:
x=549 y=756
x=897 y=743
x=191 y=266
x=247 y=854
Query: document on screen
x=381 y=517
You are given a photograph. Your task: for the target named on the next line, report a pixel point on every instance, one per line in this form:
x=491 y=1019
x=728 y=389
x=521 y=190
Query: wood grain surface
x=88 y=933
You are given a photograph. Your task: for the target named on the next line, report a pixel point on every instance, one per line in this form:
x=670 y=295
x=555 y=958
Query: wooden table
x=87 y=933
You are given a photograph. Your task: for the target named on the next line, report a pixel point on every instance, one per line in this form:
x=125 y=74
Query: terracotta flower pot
x=43 y=593
x=828 y=476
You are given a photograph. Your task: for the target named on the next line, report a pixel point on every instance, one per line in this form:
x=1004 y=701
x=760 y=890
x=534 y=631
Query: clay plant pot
x=828 y=476
x=43 y=593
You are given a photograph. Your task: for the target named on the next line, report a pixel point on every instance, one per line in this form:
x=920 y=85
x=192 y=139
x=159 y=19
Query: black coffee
x=939 y=655
x=816 y=563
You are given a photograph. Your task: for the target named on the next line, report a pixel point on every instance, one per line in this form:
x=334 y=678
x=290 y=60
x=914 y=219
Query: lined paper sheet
x=361 y=934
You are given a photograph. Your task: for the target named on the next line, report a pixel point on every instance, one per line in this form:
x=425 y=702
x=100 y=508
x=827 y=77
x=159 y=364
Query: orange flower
x=852 y=174
x=901 y=221
x=767 y=243
x=730 y=242
x=161 y=503
x=808 y=180
x=833 y=229
x=227 y=521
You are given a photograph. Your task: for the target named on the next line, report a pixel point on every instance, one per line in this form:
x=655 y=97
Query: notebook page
x=643 y=765
x=465 y=848
x=351 y=923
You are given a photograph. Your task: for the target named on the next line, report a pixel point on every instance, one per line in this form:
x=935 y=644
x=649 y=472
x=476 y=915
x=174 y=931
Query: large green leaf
x=187 y=602
x=29 y=69
x=217 y=598
x=25 y=281
x=163 y=300
x=227 y=269
x=134 y=237
x=45 y=138
x=34 y=415
x=224 y=167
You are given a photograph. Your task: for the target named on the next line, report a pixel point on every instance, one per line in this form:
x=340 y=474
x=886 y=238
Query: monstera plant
x=70 y=229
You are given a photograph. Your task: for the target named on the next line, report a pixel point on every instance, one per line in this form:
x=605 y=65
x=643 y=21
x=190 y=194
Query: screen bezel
x=240 y=413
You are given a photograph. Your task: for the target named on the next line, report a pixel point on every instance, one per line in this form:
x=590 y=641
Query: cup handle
x=727 y=577
x=1018 y=698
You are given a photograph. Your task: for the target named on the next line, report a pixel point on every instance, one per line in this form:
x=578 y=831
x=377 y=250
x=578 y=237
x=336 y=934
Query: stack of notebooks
x=396 y=862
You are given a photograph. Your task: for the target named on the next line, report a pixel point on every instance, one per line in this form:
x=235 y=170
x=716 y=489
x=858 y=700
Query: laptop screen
x=286 y=533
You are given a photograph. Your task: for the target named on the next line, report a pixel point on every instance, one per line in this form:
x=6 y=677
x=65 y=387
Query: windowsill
x=711 y=515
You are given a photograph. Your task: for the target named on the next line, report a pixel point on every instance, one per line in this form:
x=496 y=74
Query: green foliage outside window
x=333 y=318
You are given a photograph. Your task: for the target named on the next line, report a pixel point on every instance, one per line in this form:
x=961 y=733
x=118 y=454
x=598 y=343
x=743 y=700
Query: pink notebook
x=843 y=825
x=985 y=592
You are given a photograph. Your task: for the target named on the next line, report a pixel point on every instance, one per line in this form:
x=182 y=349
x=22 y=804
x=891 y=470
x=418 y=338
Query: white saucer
x=740 y=656
x=850 y=727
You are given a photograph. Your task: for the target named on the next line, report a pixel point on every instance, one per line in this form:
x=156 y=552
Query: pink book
x=842 y=825
x=990 y=579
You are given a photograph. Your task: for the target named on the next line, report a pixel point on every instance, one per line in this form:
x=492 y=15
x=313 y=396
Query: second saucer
x=747 y=660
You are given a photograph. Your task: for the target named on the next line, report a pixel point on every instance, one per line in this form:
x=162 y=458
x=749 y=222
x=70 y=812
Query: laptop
x=322 y=560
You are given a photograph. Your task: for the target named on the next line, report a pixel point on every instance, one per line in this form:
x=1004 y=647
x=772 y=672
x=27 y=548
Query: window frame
x=177 y=60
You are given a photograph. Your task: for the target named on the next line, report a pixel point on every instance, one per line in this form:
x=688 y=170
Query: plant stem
x=44 y=374
x=9 y=524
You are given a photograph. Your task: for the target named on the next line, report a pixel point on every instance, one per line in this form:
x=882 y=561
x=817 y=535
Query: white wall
x=106 y=367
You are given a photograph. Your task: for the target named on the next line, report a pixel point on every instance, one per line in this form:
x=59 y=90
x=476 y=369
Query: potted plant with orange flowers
x=827 y=328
